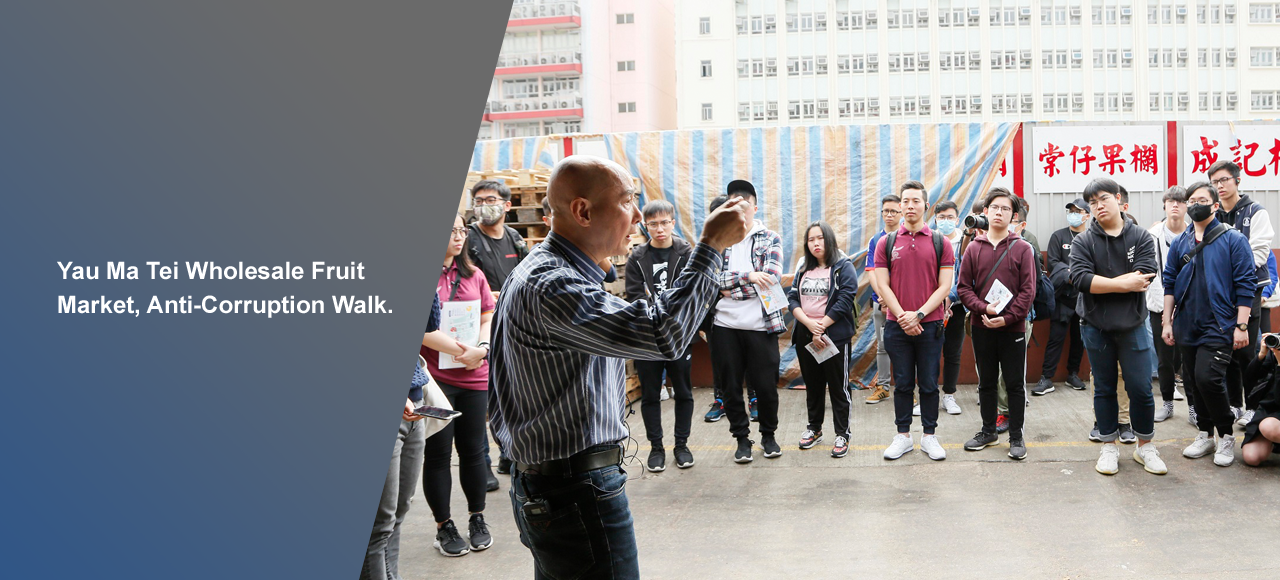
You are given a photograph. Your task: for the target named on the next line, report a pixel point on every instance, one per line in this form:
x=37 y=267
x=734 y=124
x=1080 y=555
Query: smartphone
x=436 y=412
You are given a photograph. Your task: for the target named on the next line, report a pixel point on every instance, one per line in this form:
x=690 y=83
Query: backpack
x=891 y=237
x=1045 y=303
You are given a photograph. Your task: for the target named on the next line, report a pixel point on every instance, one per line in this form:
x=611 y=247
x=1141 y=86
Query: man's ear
x=580 y=211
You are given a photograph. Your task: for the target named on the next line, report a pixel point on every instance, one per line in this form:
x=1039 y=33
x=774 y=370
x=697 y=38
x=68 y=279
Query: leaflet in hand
x=999 y=296
x=460 y=320
x=773 y=297
x=827 y=351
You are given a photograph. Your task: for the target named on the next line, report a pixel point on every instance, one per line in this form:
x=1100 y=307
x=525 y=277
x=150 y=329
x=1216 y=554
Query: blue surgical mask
x=1075 y=219
x=947 y=227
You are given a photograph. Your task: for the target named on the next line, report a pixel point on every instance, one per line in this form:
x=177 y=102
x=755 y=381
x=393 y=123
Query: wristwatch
x=1243 y=326
x=920 y=316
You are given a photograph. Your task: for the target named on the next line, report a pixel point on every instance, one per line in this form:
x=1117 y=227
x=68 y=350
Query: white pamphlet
x=773 y=297
x=460 y=320
x=999 y=296
x=827 y=351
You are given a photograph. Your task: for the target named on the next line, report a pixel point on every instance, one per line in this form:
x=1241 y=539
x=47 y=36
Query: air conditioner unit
x=873 y=58
x=822 y=61
x=1184 y=98
x=1128 y=55
x=1231 y=97
x=1026 y=11
x=1231 y=10
x=1075 y=11
x=1128 y=99
x=974 y=12
x=976 y=100
x=564 y=104
x=546 y=105
x=922 y=14
x=543 y=60
x=1182 y=55
x=1078 y=99
x=975 y=55
x=1077 y=55
x=773 y=105
x=1126 y=11
x=924 y=57
x=771 y=20
x=1026 y=54
x=564 y=59
x=1231 y=54
x=1026 y=99
x=1182 y=11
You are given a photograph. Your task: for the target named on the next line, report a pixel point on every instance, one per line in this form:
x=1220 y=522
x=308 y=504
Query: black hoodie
x=640 y=282
x=1096 y=253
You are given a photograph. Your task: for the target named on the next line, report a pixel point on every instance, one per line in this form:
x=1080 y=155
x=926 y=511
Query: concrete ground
x=974 y=515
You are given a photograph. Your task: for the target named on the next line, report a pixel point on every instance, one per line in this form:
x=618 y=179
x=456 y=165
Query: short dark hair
x=1176 y=193
x=546 y=205
x=831 y=249
x=1100 y=185
x=1002 y=192
x=495 y=186
x=1213 y=191
x=944 y=206
x=891 y=198
x=1124 y=194
x=717 y=202
x=1224 y=164
x=656 y=207
x=913 y=184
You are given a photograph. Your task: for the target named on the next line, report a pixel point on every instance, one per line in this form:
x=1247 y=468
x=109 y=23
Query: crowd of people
x=1183 y=300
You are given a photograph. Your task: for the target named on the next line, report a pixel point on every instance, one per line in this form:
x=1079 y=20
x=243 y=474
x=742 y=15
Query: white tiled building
x=776 y=62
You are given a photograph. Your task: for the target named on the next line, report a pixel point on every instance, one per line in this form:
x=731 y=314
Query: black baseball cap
x=1079 y=204
x=741 y=186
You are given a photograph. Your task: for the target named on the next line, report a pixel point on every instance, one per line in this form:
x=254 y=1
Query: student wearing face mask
x=1209 y=287
x=946 y=217
x=1064 y=322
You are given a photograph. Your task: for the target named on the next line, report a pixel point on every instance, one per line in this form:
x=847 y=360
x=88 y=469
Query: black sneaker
x=504 y=466
x=491 y=480
x=743 y=454
x=479 y=533
x=1044 y=387
x=981 y=440
x=755 y=411
x=770 y=445
x=657 y=458
x=449 y=542
x=1126 y=434
x=1017 y=449
x=1073 y=381
x=684 y=457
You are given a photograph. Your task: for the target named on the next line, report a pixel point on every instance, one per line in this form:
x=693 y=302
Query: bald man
x=557 y=380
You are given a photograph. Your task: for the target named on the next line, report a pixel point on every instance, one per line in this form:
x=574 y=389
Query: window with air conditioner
x=820 y=22
x=770 y=24
x=844 y=108
x=742 y=25
x=743 y=68
x=744 y=112
x=771 y=67
x=771 y=111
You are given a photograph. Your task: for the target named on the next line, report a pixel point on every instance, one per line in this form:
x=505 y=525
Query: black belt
x=593 y=458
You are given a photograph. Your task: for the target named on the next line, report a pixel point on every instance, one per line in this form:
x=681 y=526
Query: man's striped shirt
x=557 y=381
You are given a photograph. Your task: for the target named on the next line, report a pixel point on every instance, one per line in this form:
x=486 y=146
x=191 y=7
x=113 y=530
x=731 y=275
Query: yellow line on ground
x=1030 y=444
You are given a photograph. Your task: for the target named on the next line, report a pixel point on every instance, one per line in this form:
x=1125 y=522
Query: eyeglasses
x=458 y=232
x=1222 y=180
x=891 y=212
x=659 y=224
x=487 y=200
x=1000 y=209
x=1100 y=198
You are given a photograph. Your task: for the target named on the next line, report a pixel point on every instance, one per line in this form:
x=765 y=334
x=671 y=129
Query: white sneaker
x=902 y=445
x=1236 y=413
x=1245 y=418
x=930 y=445
x=1226 y=453
x=915 y=411
x=1202 y=446
x=1108 y=459
x=666 y=394
x=1149 y=458
x=950 y=404
x=1163 y=412
x=1178 y=396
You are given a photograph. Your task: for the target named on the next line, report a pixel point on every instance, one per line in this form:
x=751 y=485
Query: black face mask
x=1199 y=212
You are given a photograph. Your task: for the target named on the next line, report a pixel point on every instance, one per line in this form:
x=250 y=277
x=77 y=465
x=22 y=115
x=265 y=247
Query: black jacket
x=1058 y=267
x=1096 y=253
x=639 y=273
x=483 y=254
x=840 y=299
x=1262 y=382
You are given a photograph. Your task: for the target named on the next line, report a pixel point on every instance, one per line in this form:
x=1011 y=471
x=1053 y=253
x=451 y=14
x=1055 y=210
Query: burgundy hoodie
x=1016 y=272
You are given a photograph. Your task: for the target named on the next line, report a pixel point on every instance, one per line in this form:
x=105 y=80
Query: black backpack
x=1044 y=304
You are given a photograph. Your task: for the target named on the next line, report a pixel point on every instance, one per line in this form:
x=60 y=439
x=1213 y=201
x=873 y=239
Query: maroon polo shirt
x=913 y=276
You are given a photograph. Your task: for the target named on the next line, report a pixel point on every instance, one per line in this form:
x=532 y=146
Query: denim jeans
x=882 y=355
x=577 y=526
x=1127 y=349
x=915 y=360
x=381 y=559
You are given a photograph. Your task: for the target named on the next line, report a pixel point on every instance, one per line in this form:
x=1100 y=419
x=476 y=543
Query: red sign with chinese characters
x=1067 y=158
x=1255 y=148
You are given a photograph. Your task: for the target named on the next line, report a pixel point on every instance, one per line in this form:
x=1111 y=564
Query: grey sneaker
x=1203 y=445
x=1126 y=434
x=1226 y=453
x=1074 y=381
x=478 y=531
x=981 y=440
x=450 y=542
x=1245 y=418
x=1017 y=449
x=1044 y=387
x=1163 y=412
x=1095 y=435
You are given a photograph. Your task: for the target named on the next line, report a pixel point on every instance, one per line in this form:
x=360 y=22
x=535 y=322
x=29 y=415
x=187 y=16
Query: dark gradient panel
x=220 y=445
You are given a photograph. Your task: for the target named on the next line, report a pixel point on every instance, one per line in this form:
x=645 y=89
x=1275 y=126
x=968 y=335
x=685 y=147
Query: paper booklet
x=999 y=296
x=827 y=351
x=460 y=320
x=773 y=297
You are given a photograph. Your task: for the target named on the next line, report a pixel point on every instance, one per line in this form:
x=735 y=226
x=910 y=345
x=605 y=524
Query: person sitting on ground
x=1262 y=434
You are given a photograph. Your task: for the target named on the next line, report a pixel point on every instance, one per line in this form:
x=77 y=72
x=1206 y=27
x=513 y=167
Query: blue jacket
x=1207 y=291
x=840 y=296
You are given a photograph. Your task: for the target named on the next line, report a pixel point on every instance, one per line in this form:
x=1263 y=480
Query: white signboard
x=1255 y=148
x=1068 y=158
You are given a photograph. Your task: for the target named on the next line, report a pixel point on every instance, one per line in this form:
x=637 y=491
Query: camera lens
x=976 y=222
x=1271 y=340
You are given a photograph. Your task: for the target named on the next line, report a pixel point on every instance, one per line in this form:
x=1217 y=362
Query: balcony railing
x=550 y=103
x=539 y=59
x=544 y=9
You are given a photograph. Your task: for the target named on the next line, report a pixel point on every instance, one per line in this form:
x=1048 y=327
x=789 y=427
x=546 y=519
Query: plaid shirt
x=766 y=250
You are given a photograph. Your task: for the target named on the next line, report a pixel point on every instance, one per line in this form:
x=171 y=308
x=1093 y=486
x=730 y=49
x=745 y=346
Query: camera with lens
x=1271 y=340
x=976 y=222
